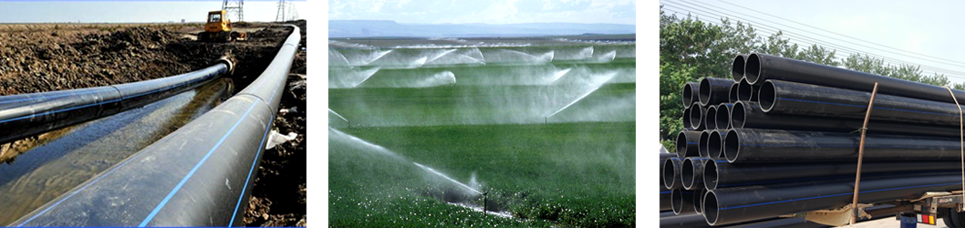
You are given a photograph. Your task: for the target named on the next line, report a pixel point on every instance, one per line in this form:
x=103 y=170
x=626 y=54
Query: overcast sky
x=899 y=30
x=130 y=11
x=489 y=11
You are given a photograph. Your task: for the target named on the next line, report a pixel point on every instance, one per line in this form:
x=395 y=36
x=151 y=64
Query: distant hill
x=373 y=28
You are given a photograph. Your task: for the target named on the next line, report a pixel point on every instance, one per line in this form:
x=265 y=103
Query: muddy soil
x=276 y=198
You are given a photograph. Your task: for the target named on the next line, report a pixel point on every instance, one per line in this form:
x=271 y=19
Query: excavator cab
x=217 y=28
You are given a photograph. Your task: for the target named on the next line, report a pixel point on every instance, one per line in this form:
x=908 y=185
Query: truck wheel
x=956 y=217
x=947 y=219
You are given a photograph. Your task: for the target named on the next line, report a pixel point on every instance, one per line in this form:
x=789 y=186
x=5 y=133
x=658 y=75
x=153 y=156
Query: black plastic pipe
x=770 y=146
x=697 y=113
x=692 y=172
x=715 y=144
x=737 y=67
x=689 y=93
x=802 y=99
x=722 y=120
x=657 y=194
x=721 y=174
x=713 y=91
x=26 y=115
x=686 y=119
x=671 y=173
x=683 y=202
x=699 y=199
x=704 y=141
x=749 y=115
x=733 y=93
x=199 y=175
x=746 y=91
x=688 y=143
x=710 y=117
x=741 y=204
x=761 y=67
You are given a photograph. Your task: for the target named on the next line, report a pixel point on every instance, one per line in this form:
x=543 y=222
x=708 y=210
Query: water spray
x=340 y=116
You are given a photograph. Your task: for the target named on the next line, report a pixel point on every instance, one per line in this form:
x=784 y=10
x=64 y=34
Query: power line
x=764 y=27
x=818 y=28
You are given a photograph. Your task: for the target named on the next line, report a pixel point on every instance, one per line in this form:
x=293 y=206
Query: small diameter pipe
x=722 y=120
x=686 y=119
x=699 y=199
x=689 y=93
x=710 y=118
x=697 y=113
x=772 y=146
x=749 y=115
x=683 y=202
x=802 y=99
x=692 y=171
x=688 y=143
x=745 y=91
x=713 y=91
x=704 y=151
x=740 y=204
x=671 y=173
x=665 y=200
x=715 y=144
x=762 y=67
x=737 y=67
x=733 y=93
x=721 y=174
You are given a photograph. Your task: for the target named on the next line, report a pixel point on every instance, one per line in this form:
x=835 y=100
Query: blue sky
x=129 y=11
x=899 y=30
x=490 y=12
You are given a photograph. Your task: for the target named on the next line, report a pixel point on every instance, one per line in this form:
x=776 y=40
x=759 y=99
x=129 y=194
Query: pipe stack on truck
x=782 y=137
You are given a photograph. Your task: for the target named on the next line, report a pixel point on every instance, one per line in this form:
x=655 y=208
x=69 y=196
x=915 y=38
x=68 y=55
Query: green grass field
x=420 y=156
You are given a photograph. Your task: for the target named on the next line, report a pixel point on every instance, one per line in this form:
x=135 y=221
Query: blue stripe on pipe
x=866 y=146
x=692 y=143
x=865 y=106
x=251 y=170
x=822 y=178
x=100 y=103
x=80 y=189
x=195 y=169
x=44 y=98
x=840 y=194
x=665 y=192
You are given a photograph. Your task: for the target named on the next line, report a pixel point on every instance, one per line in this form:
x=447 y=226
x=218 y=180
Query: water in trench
x=46 y=171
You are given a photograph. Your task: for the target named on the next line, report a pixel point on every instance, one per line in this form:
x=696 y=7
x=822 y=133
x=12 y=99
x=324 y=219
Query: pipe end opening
x=702 y=149
x=710 y=119
x=710 y=175
x=737 y=68
x=710 y=207
x=703 y=91
x=752 y=68
x=696 y=116
x=668 y=173
x=722 y=120
x=767 y=96
x=714 y=144
x=737 y=116
x=687 y=95
x=687 y=173
x=731 y=146
x=681 y=144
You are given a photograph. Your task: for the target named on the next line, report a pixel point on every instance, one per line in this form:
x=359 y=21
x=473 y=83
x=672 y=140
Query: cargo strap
x=857 y=175
x=961 y=137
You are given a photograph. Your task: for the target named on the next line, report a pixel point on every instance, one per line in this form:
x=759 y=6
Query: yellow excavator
x=218 y=29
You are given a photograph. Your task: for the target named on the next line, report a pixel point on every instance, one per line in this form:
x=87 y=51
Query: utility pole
x=234 y=7
x=280 y=16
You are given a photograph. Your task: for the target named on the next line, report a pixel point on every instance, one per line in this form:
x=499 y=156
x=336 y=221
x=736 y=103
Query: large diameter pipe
x=697 y=113
x=692 y=172
x=802 y=99
x=737 y=67
x=25 y=115
x=713 y=91
x=688 y=93
x=761 y=67
x=741 y=204
x=715 y=144
x=683 y=202
x=749 y=115
x=721 y=174
x=671 y=173
x=769 y=146
x=704 y=141
x=710 y=118
x=199 y=175
x=688 y=143
x=722 y=120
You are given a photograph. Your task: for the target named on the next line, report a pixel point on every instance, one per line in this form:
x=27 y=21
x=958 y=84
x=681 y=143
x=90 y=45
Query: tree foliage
x=691 y=49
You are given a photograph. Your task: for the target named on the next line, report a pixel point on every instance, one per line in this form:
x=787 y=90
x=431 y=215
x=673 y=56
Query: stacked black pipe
x=782 y=138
